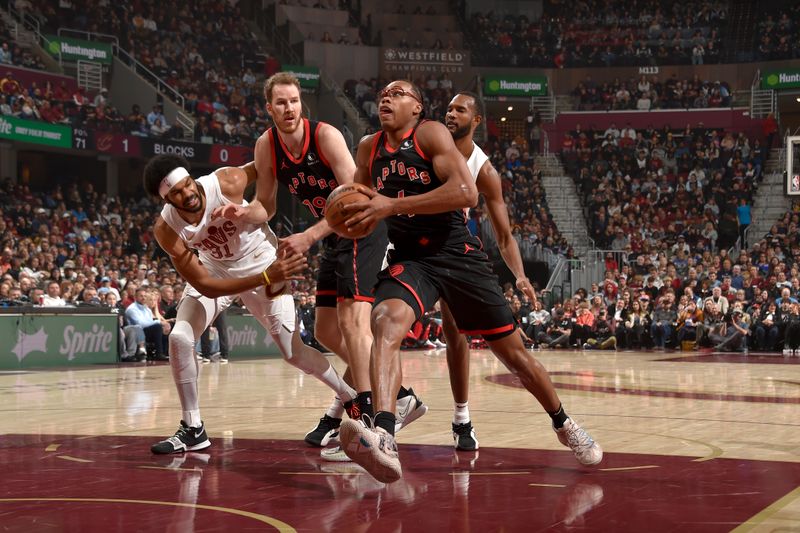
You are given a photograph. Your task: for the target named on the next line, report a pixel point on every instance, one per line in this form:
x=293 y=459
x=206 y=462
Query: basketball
x=337 y=208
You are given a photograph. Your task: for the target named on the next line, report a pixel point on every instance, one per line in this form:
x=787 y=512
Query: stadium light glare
x=503 y=119
x=511 y=108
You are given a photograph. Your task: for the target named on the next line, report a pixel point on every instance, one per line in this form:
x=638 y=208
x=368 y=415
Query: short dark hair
x=158 y=167
x=478 y=103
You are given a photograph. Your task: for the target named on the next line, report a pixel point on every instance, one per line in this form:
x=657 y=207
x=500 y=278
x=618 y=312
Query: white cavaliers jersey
x=476 y=160
x=227 y=248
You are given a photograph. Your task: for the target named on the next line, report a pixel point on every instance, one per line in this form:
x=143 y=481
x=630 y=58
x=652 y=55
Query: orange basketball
x=337 y=207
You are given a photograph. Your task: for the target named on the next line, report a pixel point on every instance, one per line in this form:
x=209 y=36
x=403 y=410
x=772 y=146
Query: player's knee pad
x=181 y=350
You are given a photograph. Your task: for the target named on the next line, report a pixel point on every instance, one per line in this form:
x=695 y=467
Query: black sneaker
x=327 y=429
x=186 y=439
x=464 y=437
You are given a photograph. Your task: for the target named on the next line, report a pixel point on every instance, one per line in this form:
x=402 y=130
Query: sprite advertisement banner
x=786 y=78
x=515 y=85
x=308 y=76
x=18 y=129
x=58 y=340
x=248 y=338
x=77 y=49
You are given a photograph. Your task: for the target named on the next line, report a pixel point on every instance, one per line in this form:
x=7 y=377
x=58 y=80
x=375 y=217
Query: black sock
x=559 y=417
x=364 y=400
x=386 y=421
x=402 y=393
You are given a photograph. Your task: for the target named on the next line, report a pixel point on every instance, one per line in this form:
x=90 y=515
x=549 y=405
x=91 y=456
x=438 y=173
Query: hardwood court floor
x=692 y=442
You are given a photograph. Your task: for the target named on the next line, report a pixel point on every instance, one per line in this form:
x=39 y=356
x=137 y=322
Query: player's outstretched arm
x=489 y=185
x=262 y=208
x=333 y=148
x=457 y=192
x=189 y=267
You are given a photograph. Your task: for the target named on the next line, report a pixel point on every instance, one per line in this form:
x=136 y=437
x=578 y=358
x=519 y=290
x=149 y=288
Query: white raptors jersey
x=476 y=160
x=227 y=248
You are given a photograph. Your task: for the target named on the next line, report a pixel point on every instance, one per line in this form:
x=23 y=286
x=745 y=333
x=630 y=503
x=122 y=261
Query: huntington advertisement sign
x=77 y=49
x=515 y=86
x=402 y=62
x=788 y=78
x=307 y=76
x=17 y=129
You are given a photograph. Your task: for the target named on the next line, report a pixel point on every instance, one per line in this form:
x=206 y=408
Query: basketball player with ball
x=311 y=159
x=422 y=187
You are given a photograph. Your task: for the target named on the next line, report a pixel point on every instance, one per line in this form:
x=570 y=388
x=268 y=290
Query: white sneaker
x=408 y=409
x=429 y=345
x=334 y=455
x=439 y=344
x=787 y=352
x=374 y=449
x=573 y=436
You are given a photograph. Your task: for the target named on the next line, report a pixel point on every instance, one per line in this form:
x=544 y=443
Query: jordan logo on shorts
x=467 y=248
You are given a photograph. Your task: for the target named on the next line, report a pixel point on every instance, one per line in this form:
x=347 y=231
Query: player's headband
x=170 y=180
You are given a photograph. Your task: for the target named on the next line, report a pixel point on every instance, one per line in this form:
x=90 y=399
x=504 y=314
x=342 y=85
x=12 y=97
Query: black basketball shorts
x=350 y=270
x=462 y=278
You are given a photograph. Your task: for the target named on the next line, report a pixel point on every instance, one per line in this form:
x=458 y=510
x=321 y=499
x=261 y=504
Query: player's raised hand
x=296 y=243
x=230 y=211
x=287 y=267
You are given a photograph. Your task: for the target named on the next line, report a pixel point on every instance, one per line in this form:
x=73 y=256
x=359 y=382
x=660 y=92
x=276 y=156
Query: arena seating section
x=666 y=200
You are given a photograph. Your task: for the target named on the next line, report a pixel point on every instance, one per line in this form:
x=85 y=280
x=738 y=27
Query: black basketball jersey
x=309 y=177
x=407 y=171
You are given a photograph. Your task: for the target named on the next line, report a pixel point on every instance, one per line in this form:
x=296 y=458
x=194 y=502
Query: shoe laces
x=462 y=429
x=578 y=439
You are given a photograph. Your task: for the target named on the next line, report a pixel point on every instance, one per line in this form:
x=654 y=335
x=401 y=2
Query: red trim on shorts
x=355 y=265
x=495 y=331
x=356 y=298
x=319 y=146
x=375 y=141
x=326 y=293
x=412 y=291
x=306 y=142
x=416 y=146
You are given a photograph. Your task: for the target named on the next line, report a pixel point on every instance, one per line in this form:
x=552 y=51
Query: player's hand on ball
x=297 y=243
x=368 y=214
x=230 y=211
x=287 y=267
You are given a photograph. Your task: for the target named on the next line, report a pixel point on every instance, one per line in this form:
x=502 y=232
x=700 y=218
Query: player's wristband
x=267 y=282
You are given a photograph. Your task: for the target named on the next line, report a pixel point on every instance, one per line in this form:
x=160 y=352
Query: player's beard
x=460 y=132
x=199 y=207
x=288 y=130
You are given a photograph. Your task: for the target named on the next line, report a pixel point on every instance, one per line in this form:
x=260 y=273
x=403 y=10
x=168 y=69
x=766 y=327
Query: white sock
x=336 y=410
x=332 y=379
x=185 y=371
x=192 y=417
x=461 y=413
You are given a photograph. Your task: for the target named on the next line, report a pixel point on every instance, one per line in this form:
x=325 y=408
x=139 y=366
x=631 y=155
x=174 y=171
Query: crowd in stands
x=531 y=223
x=648 y=92
x=72 y=246
x=598 y=33
x=778 y=34
x=12 y=54
x=685 y=298
x=646 y=190
x=219 y=77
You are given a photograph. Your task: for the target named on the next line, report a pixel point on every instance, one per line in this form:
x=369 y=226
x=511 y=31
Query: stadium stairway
x=770 y=201
x=563 y=203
